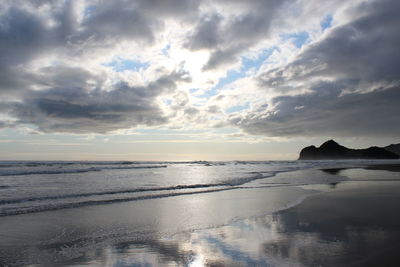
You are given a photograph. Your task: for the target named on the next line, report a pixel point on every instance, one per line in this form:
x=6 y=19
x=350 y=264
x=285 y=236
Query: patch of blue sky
x=165 y=50
x=167 y=101
x=247 y=64
x=89 y=10
x=194 y=90
x=237 y=108
x=120 y=65
x=233 y=75
x=230 y=77
x=255 y=63
x=326 y=22
x=298 y=39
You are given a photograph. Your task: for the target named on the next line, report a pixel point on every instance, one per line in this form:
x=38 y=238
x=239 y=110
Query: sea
x=194 y=213
x=36 y=186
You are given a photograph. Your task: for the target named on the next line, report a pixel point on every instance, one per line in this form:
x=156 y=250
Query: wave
x=6 y=165
x=10 y=164
x=32 y=172
x=64 y=171
x=82 y=199
x=50 y=207
x=130 y=191
x=34 y=164
x=231 y=183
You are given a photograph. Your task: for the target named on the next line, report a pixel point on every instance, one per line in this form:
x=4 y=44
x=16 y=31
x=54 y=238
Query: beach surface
x=319 y=215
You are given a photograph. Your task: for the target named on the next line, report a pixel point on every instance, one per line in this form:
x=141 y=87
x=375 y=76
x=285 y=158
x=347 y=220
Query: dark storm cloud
x=170 y=8
x=206 y=35
x=23 y=37
x=22 y=34
x=83 y=110
x=325 y=113
x=228 y=37
x=112 y=21
x=358 y=93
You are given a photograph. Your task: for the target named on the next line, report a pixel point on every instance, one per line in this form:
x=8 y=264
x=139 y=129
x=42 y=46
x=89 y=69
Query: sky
x=196 y=79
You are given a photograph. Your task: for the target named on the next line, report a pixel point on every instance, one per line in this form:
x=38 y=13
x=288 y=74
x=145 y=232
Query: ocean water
x=29 y=187
x=158 y=213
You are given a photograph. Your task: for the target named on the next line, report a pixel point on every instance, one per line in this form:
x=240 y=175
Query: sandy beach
x=267 y=222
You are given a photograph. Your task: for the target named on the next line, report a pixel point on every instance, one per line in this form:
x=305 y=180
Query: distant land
x=394 y=148
x=332 y=150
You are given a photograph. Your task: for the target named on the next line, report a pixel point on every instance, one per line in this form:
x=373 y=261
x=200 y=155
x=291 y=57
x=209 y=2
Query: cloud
x=47 y=76
x=6 y=124
x=56 y=71
x=116 y=21
x=227 y=35
x=363 y=50
x=347 y=84
x=22 y=37
x=36 y=33
x=205 y=35
x=80 y=109
x=323 y=112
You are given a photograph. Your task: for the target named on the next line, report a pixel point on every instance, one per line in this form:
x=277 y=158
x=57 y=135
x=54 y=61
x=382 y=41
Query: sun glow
x=197 y=262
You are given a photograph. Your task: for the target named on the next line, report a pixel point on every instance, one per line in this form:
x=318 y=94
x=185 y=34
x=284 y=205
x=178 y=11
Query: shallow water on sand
x=302 y=218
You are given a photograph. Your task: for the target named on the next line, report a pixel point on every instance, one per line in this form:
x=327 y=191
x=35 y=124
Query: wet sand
x=382 y=167
x=385 y=167
x=355 y=225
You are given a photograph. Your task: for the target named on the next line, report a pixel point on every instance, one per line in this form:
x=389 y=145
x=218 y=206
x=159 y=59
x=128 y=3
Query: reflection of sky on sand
x=142 y=233
x=236 y=244
x=242 y=243
x=322 y=231
x=289 y=238
x=355 y=222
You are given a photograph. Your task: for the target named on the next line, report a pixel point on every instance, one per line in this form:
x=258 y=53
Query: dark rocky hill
x=394 y=148
x=332 y=150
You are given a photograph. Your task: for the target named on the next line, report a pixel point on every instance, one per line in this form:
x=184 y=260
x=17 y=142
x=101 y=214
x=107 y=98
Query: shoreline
x=253 y=226
x=353 y=224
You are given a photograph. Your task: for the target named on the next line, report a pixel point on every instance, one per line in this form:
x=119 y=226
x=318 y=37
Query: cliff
x=394 y=148
x=332 y=150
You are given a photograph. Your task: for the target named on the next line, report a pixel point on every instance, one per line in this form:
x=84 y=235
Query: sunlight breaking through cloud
x=90 y=66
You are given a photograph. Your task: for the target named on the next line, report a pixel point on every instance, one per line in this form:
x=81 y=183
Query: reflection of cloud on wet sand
x=354 y=224
x=340 y=228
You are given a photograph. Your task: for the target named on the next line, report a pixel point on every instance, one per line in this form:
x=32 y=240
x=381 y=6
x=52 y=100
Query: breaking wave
x=82 y=170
